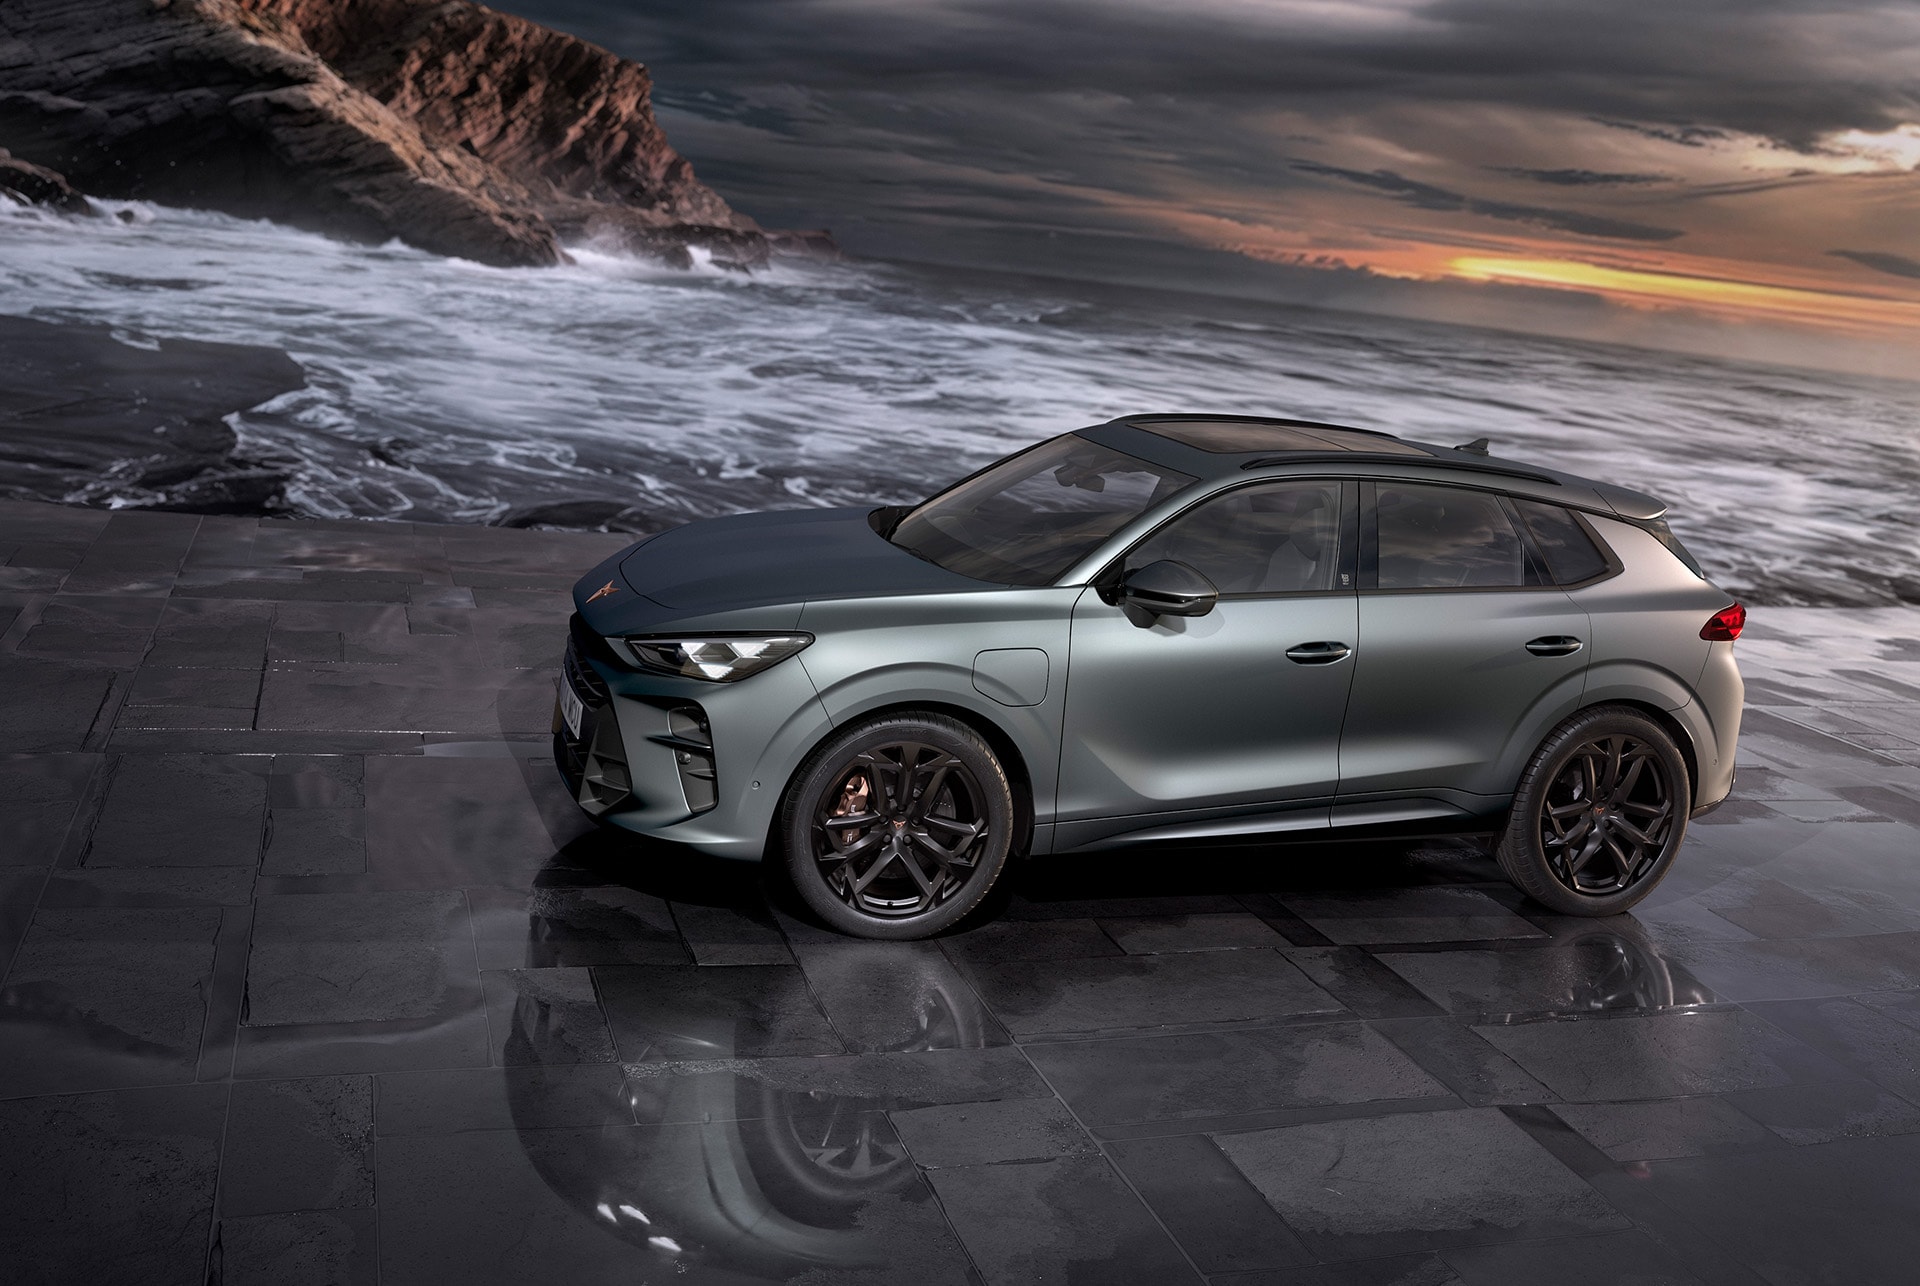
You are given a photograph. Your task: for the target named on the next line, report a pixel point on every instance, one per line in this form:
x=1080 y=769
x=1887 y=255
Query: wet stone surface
x=314 y=974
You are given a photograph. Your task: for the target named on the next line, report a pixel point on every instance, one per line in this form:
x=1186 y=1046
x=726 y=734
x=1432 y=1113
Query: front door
x=1232 y=710
x=1468 y=656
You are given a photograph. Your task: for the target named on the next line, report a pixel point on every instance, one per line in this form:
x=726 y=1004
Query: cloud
x=1426 y=196
x=1880 y=261
x=1580 y=178
x=1688 y=74
x=1683 y=136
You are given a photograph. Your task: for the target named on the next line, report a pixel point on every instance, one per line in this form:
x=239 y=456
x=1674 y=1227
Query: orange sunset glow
x=1639 y=287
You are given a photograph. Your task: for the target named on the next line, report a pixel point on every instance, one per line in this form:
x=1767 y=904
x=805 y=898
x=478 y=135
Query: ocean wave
x=616 y=392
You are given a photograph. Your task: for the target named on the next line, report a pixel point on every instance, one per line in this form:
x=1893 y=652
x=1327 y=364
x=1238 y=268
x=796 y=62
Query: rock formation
x=37 y=185
x=450 y=126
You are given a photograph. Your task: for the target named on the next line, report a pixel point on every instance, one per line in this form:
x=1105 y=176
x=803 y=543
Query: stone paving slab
x=314 y=974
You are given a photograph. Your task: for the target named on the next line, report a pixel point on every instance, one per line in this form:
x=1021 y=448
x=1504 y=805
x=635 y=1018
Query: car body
x=1395 y=630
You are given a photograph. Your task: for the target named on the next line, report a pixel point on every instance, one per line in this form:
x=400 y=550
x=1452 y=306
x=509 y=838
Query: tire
x=1598 y=815
x=913 y=868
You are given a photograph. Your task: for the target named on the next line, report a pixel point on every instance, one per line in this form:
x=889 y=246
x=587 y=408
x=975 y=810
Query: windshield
x=1026 y=520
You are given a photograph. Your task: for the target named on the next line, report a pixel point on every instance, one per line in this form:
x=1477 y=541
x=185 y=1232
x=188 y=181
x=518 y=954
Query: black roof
x=1218 y=445
x=1249 y=434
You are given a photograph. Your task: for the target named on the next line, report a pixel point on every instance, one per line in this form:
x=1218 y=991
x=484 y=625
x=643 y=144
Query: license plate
x=570 y=708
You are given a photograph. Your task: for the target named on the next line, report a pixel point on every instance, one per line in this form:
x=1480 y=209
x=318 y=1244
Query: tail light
x=1724 y=626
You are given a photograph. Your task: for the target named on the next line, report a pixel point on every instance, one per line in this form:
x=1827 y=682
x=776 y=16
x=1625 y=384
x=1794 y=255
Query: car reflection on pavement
x=746 y=1168
x=747 y=1165
x=1613 y=969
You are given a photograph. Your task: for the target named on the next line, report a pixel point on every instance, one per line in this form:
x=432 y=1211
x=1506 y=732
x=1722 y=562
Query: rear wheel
x=1599 y=814
x=898 y=827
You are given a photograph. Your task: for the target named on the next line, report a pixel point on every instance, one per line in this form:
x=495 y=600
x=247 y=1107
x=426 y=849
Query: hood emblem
x=603 y=591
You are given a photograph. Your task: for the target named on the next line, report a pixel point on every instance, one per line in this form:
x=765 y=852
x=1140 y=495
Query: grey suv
x=1166 y=628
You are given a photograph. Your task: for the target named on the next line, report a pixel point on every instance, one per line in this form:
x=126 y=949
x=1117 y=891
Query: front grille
x=595 y=763
x=587 y=685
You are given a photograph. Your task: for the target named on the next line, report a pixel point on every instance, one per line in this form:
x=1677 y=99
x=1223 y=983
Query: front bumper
x=596 y=760
x=700 y=763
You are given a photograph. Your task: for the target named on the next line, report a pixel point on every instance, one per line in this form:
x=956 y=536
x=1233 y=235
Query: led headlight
x=720 y=659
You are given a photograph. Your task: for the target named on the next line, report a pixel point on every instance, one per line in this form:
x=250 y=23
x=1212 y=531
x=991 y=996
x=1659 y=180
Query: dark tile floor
x=313 y=974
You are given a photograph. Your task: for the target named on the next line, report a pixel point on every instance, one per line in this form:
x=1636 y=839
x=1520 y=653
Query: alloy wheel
x=1608 y=815
x=903 y=832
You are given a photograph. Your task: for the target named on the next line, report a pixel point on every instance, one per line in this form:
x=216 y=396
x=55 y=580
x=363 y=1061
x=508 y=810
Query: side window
x=1445 y=538
x=1274 y=538
x=1570 y=552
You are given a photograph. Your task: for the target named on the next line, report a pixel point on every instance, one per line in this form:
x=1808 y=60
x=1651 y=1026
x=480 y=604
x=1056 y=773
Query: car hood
x=760 y=560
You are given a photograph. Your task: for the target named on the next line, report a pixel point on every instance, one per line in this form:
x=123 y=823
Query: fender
x=923 y=649
x=1033 y=731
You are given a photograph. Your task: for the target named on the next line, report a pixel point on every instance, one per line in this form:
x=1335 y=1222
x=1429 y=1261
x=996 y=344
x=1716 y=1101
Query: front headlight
x=721 y=660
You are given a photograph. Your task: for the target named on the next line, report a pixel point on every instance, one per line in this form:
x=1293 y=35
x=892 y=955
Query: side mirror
x=1165 y=588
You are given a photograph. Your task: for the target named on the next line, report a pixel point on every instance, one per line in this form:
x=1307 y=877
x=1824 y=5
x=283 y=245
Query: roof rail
x=1197 y=418
x=1376 y=457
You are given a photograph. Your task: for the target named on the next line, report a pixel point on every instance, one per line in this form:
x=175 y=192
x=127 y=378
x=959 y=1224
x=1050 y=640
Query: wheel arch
x=1001 y=742
x=1678 y=731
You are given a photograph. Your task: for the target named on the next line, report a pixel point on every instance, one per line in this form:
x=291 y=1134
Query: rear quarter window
x=1570 y=552
x=1658 y=529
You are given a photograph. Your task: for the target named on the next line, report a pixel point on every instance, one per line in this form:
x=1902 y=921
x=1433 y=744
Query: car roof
x=1219 y=447
x=1248 y=434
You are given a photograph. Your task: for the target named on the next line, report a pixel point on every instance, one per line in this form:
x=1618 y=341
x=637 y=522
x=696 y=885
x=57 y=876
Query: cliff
x=439 y=122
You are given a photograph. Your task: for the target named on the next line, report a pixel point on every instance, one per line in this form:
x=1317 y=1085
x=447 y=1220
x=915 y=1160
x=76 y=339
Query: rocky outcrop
x=443 y=123
x=37 y=185
x=88 y=419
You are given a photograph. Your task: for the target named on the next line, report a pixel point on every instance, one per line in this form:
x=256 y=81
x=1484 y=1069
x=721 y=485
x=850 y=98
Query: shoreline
x=88 y=419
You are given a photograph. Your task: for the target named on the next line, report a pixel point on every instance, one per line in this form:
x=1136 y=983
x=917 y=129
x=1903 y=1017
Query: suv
x=1165 y=628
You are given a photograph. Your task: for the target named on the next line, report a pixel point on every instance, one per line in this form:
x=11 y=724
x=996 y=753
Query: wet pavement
x=314 y=974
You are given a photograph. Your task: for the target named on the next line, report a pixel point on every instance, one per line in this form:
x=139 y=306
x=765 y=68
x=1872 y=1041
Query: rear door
x=1467 y=655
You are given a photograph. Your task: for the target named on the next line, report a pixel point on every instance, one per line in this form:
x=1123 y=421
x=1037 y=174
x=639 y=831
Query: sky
x=1723 y=175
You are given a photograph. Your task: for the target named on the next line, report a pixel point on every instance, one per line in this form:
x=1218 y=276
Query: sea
x=616 y=393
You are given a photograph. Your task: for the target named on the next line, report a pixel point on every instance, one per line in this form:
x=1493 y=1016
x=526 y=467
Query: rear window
x=1570 y=552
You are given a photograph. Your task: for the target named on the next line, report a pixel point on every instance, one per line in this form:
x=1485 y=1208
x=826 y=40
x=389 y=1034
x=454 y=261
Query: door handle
x=1555 y=645
x=1318 y=653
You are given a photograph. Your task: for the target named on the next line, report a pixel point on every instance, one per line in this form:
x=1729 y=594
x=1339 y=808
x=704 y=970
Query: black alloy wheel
x=1607 y=815
x=1599 y=814
x=897 y=828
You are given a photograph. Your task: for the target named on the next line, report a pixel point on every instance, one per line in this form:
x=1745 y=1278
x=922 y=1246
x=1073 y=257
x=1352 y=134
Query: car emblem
x=603 y=591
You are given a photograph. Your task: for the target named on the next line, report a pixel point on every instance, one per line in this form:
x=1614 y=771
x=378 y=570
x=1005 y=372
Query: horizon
x=1903 y=376
x=1731 y=179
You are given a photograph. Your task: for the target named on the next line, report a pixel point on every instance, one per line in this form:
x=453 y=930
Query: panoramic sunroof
x=1238 y=437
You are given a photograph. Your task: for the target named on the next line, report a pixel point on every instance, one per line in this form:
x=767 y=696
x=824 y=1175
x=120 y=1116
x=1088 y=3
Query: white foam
x=445 y=389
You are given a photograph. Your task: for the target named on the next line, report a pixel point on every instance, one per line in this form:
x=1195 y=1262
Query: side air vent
x=692 y=742
x=604 y=778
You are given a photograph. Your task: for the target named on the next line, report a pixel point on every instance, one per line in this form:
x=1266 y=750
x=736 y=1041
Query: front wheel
x=896 y=828
x=1599 y=813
